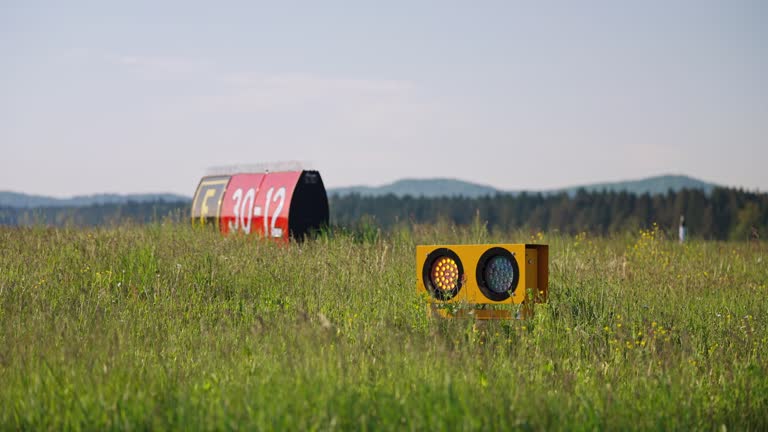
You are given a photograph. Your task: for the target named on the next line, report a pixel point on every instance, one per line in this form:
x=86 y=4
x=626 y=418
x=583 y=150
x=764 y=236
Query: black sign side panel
x=309 y=206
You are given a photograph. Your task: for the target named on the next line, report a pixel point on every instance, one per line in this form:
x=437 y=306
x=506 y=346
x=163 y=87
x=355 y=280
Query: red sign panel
x=259 y=204
x=238 y=208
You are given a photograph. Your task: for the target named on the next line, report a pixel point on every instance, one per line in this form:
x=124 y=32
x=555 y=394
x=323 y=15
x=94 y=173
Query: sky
x=145 y=96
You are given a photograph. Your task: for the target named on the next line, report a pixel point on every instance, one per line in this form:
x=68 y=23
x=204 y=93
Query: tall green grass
x=167 y=327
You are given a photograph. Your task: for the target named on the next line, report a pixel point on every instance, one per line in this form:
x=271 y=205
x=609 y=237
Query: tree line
x=722 y=214
x=96 y=215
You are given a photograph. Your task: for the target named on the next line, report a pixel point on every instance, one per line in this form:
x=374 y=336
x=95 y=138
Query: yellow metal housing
x=532 y=281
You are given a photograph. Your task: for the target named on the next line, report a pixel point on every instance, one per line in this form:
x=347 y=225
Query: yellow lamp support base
x=437 y=311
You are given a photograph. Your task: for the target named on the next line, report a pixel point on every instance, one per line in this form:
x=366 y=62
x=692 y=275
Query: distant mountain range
x=420 y=187
x=453 y=187
x=20 y=200
x=413 y=187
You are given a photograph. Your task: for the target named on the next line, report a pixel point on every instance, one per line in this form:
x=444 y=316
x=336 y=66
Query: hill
x=442 y=187
x=428 y=188
x=652 y=185
x=21 y=200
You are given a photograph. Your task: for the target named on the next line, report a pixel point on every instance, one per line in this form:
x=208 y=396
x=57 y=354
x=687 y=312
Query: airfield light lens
x=499 y=274
x=445 y=274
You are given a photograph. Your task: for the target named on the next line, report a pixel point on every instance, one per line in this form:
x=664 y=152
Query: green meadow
x=166 y=327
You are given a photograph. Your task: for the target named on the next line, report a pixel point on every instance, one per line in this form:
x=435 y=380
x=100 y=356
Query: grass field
x=166 y=327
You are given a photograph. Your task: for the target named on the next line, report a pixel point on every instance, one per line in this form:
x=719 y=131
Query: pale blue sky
x=143 y=96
